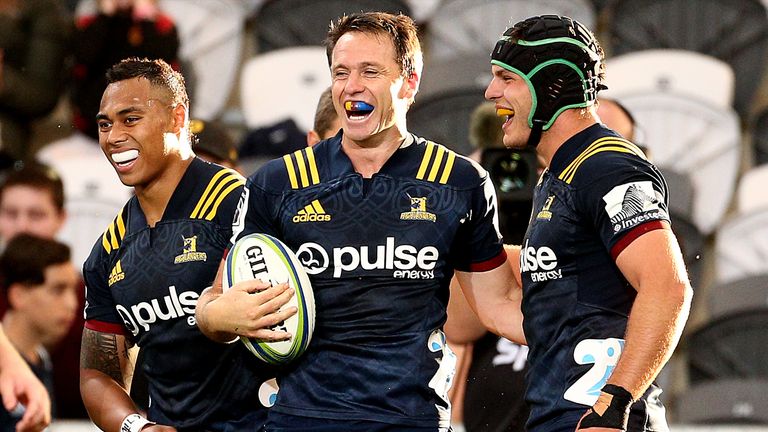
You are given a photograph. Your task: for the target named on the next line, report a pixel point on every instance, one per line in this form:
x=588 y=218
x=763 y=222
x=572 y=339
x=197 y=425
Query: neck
x=154 y=197
x=568 y=124
x=22 y=336
x=370 y=155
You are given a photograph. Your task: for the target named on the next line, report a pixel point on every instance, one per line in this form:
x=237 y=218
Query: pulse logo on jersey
x=143 y=314
x=116 y=275
x=540 y=262
x=314 y=212
x=631 y=204
x=189 y=252
x=418 y=210
x=406 y=261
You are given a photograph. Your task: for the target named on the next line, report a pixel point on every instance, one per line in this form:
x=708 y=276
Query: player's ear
x=178 y=117
x=410 y=86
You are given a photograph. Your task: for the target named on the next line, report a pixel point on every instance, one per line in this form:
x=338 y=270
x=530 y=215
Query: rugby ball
x=261 y=256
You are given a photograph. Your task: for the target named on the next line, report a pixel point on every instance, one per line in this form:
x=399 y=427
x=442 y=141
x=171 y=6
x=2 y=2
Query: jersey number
x=603 y=354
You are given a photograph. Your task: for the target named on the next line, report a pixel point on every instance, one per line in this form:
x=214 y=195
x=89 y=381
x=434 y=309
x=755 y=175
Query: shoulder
x=111 y=238
x=296 y=170
x=437 y=163
x=215 y=190
x=606 y=157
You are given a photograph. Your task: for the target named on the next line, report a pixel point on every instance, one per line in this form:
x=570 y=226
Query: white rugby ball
x=261 y=256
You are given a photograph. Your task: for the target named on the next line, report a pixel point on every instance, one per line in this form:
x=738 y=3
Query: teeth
x=125 y=156
x=504 y=112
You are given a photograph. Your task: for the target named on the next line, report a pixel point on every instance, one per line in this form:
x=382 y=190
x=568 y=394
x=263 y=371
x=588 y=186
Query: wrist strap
x=134 y=423
x=611 y=409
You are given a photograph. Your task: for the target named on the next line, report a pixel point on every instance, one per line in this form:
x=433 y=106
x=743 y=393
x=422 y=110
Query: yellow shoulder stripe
x=220 y=185
x=114 y=234
x=599 y=146
x=430 y=167
x=303 y=172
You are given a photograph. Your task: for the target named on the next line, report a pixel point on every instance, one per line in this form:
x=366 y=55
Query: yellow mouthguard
x=503 y=112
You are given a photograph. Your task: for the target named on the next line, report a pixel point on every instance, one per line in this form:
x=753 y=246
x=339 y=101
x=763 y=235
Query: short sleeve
x=624 y=205
x=479 y=245
x=100 y=312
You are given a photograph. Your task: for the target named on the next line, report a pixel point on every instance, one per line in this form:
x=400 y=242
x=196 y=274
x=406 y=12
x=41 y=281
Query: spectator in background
x=32 y=201
x=34 y=43
x=616 y=116
x=120 y=29
x=40 y=285
x=211 y=142
x=327 y=122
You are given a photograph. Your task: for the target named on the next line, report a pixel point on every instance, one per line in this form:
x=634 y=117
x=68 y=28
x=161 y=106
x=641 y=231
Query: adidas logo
x=314 y=212
x=116 y=275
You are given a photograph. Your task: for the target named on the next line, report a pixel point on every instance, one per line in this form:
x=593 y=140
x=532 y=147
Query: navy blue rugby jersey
x=599 y=194
x=144 y=283
x=380 y=254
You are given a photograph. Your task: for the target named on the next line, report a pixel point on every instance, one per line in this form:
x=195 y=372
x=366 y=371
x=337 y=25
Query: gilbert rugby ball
x=261 y=256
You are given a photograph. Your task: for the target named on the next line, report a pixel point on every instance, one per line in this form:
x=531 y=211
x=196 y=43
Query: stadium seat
x=459 y=27
x=676 y=71
x=444 y=117
x=735 y=31
x=288 y=23
x=730 y=346
x=751 y=194
x=696 y=139
x=283 y=84
x=741 y=247
x=727 y=401
x=748 y=293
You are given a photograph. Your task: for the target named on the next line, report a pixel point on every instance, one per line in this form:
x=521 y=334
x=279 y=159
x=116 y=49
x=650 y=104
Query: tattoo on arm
x=105 y=352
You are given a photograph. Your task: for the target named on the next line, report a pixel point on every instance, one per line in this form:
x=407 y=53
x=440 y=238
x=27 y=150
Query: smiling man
x=605 y=290
x=146 y=272
x=400 y=215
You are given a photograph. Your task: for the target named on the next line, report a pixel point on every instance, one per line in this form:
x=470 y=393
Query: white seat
x=741 y=247
x=464 y=26
x=282 y=84
x=677 y=71
x=211 y=37
x=694 y=138
x=752 y=194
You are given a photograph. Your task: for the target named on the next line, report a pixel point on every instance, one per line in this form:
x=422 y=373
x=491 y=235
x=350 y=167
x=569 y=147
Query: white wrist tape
x=134 y=423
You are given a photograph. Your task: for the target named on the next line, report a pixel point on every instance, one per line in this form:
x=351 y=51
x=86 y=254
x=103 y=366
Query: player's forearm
x=653 y=331
x=107 y=402
x=496 y=298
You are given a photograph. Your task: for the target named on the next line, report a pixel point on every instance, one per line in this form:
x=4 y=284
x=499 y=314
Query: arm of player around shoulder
x=496 y=297
x=249 y=308
x=653 y=265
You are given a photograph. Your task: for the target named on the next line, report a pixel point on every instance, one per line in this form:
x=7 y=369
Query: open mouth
x=358 y=110
x=505 y=112
x=125 y=158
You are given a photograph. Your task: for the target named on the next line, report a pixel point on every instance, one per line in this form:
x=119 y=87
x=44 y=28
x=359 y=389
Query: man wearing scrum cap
x=403 y=214
x=146 y=272
x=605 y=292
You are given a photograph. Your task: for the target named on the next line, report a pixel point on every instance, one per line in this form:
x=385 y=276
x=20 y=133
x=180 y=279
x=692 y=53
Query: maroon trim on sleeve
x=105 y=327
x=490 y=264
x=634 y=233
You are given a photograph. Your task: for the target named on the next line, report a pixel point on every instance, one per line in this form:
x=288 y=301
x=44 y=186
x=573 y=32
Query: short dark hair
x=38 y=176
x=157 y=71
x=27 y=256
x=400 y=28
x=325 y=114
